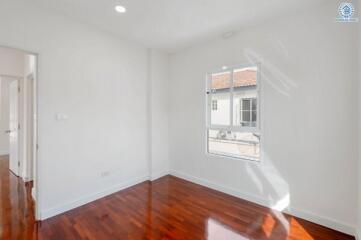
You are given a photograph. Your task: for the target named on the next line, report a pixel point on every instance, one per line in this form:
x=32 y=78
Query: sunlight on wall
x=271 y=74
x=254 y=178
x=282 y=204
x=276 y=193
x=270 y=183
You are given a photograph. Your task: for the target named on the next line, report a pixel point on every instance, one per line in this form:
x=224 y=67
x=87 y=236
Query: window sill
x=245 y=159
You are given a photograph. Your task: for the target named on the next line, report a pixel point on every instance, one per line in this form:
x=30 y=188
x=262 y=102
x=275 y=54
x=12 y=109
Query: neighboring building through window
x=249 y=112
x=233 y=129
x=214 y=105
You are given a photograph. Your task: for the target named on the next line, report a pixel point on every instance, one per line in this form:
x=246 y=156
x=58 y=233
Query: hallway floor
x=16 y=205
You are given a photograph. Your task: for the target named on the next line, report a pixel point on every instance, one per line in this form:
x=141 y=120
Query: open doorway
x=18 y=125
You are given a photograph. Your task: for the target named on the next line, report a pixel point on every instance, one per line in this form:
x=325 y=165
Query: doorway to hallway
x=18 y=126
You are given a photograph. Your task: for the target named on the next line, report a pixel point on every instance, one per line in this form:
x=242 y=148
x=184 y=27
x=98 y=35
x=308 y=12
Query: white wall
x=11 y=64
x=158 y=107
x=309 y=144
x=100 y=83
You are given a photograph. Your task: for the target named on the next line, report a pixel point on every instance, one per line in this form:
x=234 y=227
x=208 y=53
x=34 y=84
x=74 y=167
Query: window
x=214 y=105
x=233 y=113
x=248 y=112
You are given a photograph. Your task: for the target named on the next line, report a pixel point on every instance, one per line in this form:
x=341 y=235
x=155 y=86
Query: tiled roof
x=242 y=78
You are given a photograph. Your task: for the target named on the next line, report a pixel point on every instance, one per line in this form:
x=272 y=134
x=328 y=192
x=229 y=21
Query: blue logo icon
x=346 y=12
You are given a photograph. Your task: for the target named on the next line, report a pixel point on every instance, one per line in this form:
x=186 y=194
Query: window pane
x=254 y=104
x=244 y=95
x=221 y=81
x=246 y=104
x=246 y=116
x=221 y=115
x=234 y=144
x=245 y=77
x=220 y=93
x=254 y=116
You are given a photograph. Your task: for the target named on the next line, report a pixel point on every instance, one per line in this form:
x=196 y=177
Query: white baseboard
x=324 y=221
x=45 y=214
x=159 y=174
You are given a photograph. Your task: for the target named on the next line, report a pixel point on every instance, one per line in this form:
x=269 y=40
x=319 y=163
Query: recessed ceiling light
x=120 y=9
x=224 y=67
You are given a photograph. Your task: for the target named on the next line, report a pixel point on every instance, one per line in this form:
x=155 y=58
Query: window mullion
x=251 y=111
x=231 y=100
x=241 y=111
x=209 y=99
x=258 y=97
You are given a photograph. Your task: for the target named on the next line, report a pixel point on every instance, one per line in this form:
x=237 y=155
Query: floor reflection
x=218 y=231
x=16 y=206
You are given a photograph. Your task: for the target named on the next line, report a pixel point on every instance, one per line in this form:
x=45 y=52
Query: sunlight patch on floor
x=217 y=231
x=269 y=225
x=298 y=230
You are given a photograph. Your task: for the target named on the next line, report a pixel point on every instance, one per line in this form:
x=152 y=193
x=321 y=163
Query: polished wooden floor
x=16 y=206
x=168 y=208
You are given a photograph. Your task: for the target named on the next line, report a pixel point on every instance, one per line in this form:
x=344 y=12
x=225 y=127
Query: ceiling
x=174 y=24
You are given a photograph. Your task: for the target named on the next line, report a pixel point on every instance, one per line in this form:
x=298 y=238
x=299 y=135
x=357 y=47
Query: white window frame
x=231 y=126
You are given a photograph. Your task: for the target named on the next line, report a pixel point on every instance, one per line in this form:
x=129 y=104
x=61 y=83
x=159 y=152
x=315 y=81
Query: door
x=14 y=127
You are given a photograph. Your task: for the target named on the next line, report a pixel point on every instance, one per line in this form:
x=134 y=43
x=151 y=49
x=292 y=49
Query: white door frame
x=15 y=168
x=35 y=129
